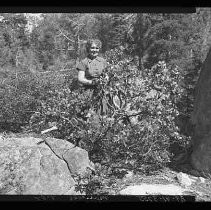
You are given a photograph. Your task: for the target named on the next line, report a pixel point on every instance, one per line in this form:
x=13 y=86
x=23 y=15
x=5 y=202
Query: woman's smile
x=94 y=50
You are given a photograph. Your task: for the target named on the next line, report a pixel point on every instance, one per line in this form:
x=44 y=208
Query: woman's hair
x=85 y=47
x=91 y=41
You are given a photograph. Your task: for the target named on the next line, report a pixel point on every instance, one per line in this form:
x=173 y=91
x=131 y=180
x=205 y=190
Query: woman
x=89 y=70
x=93 y=65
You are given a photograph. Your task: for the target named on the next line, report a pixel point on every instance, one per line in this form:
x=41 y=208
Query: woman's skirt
x=99 y=102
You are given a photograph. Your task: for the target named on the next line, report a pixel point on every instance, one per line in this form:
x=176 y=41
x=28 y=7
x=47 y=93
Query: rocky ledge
x=32 y=166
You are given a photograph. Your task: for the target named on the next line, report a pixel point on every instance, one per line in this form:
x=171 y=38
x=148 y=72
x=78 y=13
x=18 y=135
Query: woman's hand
x=82 y=78
x=95 y=81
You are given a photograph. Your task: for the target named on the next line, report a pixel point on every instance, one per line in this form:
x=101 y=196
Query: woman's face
x=94 y=50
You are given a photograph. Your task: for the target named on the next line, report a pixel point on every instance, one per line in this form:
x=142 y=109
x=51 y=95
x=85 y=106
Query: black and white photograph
x=106 y=106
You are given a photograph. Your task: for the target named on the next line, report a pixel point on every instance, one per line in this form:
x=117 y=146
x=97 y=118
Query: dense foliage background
x=154 y=62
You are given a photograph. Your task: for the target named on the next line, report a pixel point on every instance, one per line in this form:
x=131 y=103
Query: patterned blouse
x=93 y=68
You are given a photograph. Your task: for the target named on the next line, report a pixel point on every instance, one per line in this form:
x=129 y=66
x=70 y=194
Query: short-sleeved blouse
x=93 y=68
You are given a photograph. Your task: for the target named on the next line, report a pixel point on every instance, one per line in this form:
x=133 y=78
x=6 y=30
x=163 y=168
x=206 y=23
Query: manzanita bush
x=21 y=93
x=139 y=128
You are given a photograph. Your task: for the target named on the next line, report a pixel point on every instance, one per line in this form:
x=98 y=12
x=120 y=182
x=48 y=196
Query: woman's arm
x=82 y=78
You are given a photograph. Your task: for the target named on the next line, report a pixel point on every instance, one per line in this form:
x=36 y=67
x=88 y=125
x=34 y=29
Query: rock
x=59 y=146
x=153 y=189
x=129 y=174
x=184 y=179
x=201 y=119
x=76 y=158
x=202 y=180
x=29 y=168
x=72 y=191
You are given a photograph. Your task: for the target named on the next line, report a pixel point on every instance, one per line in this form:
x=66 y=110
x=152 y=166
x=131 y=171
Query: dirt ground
x=200 y=187
x=201 y=190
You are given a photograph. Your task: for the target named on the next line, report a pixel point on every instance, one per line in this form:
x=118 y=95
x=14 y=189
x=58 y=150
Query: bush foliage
x=149 y=89
x=22 y=92
x=139 y=128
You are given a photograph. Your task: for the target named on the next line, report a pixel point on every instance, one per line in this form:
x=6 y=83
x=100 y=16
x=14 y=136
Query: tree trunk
x=206 y=35
x=201 y=118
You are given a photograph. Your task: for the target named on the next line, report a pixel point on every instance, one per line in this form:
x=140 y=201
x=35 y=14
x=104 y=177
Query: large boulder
x=76 y=158
x=27 y=167
x=201 y=118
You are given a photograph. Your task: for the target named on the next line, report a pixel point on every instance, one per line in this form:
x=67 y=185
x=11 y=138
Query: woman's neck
x=92 y=57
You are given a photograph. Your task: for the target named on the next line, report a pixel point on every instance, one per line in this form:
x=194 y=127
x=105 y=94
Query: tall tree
x=12 y=37
x=42 y=41
x=103 y=28
x=138 y=39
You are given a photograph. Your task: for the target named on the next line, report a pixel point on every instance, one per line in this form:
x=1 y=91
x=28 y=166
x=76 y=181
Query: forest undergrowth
x=154 y=61
x=138 y=132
